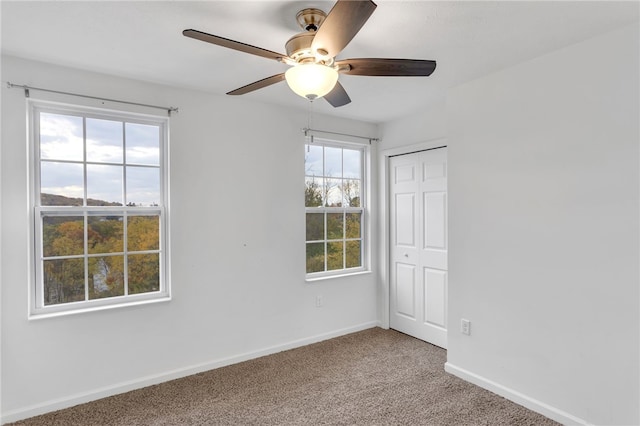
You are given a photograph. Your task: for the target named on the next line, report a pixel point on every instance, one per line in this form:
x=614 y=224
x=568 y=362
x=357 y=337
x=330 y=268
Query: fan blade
x=337 y=97
x=387 y=67
x=258 y=84
x=340 y=26
x=232 y=44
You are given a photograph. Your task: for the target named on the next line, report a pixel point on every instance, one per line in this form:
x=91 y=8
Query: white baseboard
x=515 y=396
x=81 y=398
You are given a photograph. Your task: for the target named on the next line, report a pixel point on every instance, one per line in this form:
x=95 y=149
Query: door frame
x=385 y=218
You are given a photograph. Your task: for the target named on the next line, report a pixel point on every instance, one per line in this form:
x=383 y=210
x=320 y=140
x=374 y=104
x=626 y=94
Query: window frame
x=37 y=308
x=363 y=209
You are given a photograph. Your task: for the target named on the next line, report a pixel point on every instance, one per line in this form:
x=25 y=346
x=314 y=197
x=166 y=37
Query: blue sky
x=62 y=147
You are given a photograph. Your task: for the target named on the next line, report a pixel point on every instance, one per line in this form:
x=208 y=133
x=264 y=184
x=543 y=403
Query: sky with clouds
x=118 y=156
x=336 y=165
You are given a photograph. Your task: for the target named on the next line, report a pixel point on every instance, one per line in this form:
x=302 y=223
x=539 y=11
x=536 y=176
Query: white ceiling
x=143 y=40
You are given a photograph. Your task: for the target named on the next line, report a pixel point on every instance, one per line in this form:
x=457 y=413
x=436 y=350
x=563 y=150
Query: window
x=334 y=209
x=99 y=181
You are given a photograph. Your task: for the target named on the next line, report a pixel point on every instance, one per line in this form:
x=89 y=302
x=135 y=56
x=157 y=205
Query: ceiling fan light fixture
x=312 y=54
x=311 y=80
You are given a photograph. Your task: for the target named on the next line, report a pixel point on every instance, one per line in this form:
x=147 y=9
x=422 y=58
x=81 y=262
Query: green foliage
x=61 y=200
x=142 y=233
x=144 y=273
x=351 y=192
x=343 y=244
x=106 y=277
x=352 y=225
x=315 y=257
x=353 y=254
x=335 y=255
x=312 y=194
x=335 y=226
x=315 y=226
x=64 y=279
x=105 y=234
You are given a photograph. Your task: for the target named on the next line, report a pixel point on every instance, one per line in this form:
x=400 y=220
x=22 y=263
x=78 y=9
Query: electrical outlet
x=465 y=326
x=318 y=301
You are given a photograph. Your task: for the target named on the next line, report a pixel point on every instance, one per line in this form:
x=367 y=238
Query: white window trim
x=311 y=277
x=36 y=308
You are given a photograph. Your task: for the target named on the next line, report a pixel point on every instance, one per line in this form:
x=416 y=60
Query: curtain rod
x=306 y=130
x=27 y=88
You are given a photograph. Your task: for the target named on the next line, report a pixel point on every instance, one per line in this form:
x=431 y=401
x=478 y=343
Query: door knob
x=406 y=255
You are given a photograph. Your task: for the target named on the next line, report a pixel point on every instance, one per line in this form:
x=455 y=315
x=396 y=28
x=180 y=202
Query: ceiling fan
x=312 y=54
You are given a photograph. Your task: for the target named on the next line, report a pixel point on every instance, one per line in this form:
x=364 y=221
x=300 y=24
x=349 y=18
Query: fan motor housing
x=299 y=46
x=310 y=19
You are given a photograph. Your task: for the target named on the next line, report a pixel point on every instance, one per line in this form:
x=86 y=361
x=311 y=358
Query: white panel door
x=418 y=252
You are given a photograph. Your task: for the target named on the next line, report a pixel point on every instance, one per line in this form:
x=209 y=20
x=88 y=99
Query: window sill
x=35 y=316
x=340 y=275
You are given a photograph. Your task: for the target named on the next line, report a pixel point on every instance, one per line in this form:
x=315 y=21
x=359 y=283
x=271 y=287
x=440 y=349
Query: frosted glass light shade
x=311 y=80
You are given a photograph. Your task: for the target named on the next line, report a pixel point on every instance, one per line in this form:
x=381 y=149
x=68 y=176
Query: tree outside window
x=334 y=210
x=98 y=208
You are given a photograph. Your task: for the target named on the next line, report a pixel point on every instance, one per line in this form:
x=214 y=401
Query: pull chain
x=310 y=121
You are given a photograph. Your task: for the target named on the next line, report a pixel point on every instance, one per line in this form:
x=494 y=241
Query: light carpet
x=372 y=377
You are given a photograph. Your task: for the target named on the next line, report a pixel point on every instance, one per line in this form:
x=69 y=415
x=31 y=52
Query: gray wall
x=543 y=226
x=237 y=251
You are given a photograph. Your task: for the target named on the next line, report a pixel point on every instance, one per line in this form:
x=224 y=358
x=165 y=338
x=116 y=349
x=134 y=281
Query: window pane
x=313 y=160
x=105 y=234
x=315 y=257
x=351 y=193
x=144 y=273
x=353 y=225
x=332 y=161
x=315 y=226
x=335 y=226
x=63 y=281
x=143 y=186
x=352 y=163
x=106 y=276
x=333 y=193
x=143 y=144
x=61 y=184
x=354 y=254
x=61 y=137
x=95 y=247
x=104 y=141
x=104 y=185
x=143 y=233
x=62 y=236
x=335 y=255
x=313 y=192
